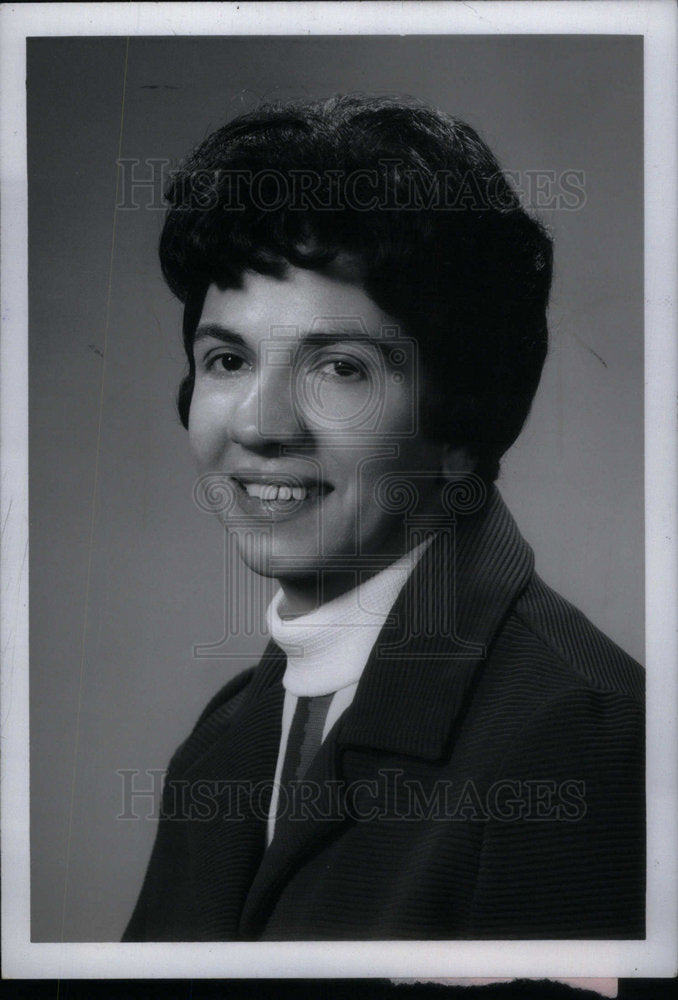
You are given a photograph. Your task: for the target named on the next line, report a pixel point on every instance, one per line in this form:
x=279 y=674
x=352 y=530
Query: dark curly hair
x=419 y=200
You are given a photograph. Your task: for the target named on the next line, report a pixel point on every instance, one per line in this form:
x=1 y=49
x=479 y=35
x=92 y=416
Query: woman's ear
x=456 y=459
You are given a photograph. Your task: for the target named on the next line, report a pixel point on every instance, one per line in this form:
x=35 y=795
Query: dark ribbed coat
x=486 y=781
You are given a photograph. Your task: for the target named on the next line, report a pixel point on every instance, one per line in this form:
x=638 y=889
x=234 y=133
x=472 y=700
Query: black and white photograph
x=336 y=629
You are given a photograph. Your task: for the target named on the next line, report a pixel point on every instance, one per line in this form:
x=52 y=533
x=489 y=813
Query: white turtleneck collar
x=328 y=648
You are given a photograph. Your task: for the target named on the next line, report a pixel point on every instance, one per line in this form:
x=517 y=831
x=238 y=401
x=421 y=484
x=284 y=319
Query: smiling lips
x=273 y=491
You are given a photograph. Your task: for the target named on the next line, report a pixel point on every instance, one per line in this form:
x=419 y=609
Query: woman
x=434 y=744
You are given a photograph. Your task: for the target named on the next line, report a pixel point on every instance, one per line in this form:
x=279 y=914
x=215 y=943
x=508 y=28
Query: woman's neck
x=304 y=594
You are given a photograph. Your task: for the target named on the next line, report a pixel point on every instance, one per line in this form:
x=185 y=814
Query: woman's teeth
x=272 y=491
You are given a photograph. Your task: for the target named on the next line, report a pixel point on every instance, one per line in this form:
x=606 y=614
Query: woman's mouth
x=277 y=491
x=276 y=496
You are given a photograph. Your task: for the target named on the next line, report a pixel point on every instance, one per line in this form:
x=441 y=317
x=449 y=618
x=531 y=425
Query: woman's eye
x=227 y=362
x=343 y=369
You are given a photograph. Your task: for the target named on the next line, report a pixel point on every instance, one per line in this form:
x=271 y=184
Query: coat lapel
x=227 y=844
x=428 y=656
x=415 y=686
x=296 y=838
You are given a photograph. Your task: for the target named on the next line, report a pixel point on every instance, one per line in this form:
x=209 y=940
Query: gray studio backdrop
x=127 y=573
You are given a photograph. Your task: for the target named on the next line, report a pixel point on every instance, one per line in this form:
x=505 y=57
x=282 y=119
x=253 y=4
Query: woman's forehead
x=303 y=301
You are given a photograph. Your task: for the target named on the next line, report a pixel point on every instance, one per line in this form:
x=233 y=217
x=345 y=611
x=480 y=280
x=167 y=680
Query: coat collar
x=437 y=637
x=420 y=671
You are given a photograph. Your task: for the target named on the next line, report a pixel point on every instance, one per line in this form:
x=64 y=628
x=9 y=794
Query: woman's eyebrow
x=318 y=338
x=314 y=338
x=219 y=332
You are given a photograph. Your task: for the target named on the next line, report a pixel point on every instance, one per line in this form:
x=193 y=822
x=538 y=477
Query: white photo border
x=656 y=956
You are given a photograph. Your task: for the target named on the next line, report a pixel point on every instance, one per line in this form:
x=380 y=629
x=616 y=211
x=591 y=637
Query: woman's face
x=306 y=396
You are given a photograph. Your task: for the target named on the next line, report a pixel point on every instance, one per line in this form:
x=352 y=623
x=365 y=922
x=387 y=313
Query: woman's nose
x=266 y=413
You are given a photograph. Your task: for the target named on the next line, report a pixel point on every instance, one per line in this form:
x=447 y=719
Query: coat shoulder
x=225 y=705
x=212 y=721
x=228 y=698
x=568 y=636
